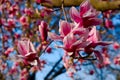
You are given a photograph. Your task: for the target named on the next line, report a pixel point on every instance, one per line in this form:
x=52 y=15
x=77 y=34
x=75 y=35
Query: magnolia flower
x=86 y=17
x=117 y=60
x=26 y=50
x=73 y=37
x=24 y=21
x=13 y=10
x=77 y=36
x=29 y=11
x=43 y=29
x=72 y=43
x=108 y=23
x=45 y=12
x=65 y=28
x=116 y=45
x=10 y=24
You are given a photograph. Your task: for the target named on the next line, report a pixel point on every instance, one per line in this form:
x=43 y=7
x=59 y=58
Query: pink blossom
x=117 y=60
x=65 y=28
x=45 y=12
x=6 y=37
x=24 y=21
x=13 y=70
x=48 y=50
x=28 y=11
x=106 y=61
x=8 y=51
x=90 y=49
x=87 y=16
x=26 y=50
x=108 y=23
x=116 y=46
x=75 y=38
x=43 y=29
x=2 y=21
x=107 y=13
x=10 y=24
x=13 y=10
x=72 y=43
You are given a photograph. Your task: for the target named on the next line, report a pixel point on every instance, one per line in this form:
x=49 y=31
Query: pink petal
x=116 y=45
x=30 y=56
x=103 y=43
x=69 y=40
x=99 y=56
x=74 y=14
x=91 y=22
x=65 y=28
x=31 y=48
x=54 y=36
x=80 y=44
x=79 y=31
x=93 y=35
x=8 y=51
x=91 y=13
x=25 y=46
x=108 y=23
x=43 y=28
x=21 y=48
x=84 y=7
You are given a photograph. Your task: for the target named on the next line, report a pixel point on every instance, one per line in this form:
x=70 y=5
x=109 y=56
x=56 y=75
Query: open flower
x=86 y=17
x=27 y=50
x=73 y=38
x=65 y=28
x=82 y=34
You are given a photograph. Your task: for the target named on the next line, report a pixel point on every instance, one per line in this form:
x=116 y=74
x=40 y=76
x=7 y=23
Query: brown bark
x=99 y=5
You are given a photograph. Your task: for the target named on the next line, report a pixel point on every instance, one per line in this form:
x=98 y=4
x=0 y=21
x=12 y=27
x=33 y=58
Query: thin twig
x=45 y=48
x=64 y=10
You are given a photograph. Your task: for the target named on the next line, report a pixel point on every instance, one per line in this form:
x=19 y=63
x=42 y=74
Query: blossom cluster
x=79 y=36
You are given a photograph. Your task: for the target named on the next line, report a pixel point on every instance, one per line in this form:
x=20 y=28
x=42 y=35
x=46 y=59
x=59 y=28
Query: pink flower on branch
x=108 y=24
x=43 y=29
x=27 y=50
x=81 y=35
x=65 y=28
x=87 y=16
x=24 y=21
x=73 y=37
x=76 y=39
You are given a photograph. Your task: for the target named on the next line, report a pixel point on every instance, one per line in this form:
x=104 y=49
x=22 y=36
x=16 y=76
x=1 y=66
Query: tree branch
x=99 y=5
